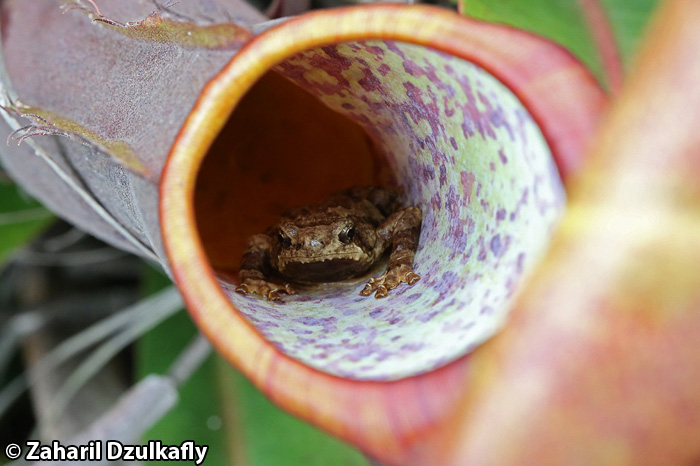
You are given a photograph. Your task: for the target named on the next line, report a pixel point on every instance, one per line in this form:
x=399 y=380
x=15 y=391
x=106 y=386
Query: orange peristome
x=386 y=419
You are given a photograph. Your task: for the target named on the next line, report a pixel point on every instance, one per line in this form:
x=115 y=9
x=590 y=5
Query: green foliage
x=20 y=218
x=274 y=438
x=563 y=22
x=199 y=405
x=628 y=20
x=220 y=408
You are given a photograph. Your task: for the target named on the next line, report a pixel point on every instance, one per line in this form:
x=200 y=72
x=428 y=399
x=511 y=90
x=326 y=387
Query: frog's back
x=361 y=205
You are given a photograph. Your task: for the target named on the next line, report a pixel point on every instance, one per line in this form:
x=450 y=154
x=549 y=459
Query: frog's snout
x=315 y=244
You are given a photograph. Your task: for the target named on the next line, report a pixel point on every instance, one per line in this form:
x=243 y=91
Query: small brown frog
x=340 y=238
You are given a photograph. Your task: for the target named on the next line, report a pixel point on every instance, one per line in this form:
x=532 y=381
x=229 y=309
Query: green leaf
x=21 y=218
x=563 y=22
x=220 y=408
x=195 y=416
x=199 y=403
x=274 y=438
x=628 y=20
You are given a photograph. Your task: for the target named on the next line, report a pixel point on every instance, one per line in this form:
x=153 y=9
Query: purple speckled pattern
x=469 y=154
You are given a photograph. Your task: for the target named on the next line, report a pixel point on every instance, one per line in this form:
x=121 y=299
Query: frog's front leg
x=254 y=264
x=402 y=231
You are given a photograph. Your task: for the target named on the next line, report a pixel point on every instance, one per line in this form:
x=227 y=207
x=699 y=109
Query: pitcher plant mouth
x=474 y=122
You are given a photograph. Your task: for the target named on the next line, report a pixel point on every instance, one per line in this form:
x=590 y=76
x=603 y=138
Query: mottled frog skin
x=340 y=238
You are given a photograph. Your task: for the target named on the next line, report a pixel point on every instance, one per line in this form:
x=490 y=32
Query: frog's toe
x=274 y=293
x=382 y=292
x=242 y=289
x=392 y=278
x=412 y=278
x=367 y=290
x=265 y=289
x=375 y=284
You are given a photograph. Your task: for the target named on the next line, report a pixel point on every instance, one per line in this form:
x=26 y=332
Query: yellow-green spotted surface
x=468 y=153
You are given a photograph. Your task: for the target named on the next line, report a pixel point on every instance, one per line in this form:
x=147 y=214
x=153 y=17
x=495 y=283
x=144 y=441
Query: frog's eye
x=347 y=234
x=284 y=240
